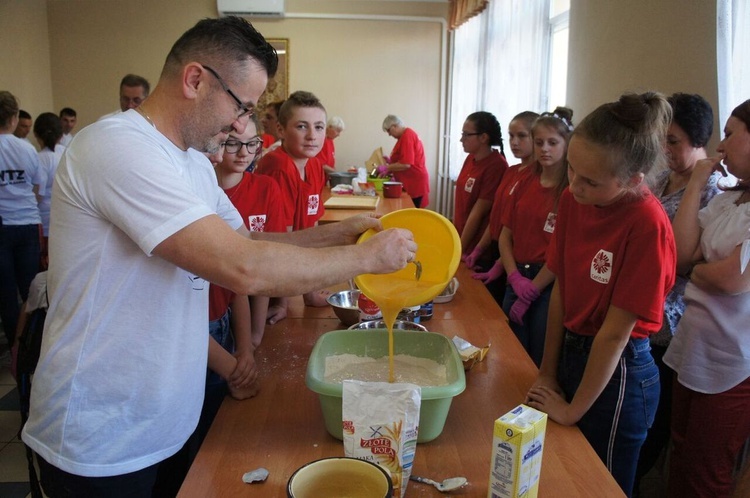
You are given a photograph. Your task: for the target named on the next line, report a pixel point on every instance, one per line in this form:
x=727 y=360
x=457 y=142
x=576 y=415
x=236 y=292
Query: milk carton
x=517 y=453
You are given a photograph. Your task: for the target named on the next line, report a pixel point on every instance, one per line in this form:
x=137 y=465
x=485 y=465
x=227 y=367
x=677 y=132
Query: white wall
x=24 y=57
x=638 y=45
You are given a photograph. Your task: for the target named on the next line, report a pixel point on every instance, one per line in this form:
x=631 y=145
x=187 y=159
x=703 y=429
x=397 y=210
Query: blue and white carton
x=517 y=453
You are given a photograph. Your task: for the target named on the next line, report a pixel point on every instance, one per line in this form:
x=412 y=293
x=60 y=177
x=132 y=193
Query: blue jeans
x=19 y=263
x=221 y=331
x=532 y=332
x=617 y=423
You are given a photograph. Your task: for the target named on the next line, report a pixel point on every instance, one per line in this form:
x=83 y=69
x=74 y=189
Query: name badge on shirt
x=257 y=222
x=469 y=185
x=313 y=202
x=601 y=267
x=549 y=225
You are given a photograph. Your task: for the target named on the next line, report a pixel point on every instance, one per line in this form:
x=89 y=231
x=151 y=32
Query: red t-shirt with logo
x=258 y=200
x=511 y=183
x=531 y=216
x=622 y=255
x=301 y=199
x=477 y=180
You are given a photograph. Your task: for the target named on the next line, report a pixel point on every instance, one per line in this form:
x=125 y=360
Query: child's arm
x=687 y=231
x=552 y=345
x=220 y=360
x=723 y=276
x=543 y=278
x=505 y=243
x=476 y=253
x=480 y=210
x=245 y=371
x=258 y=315
x=605 y=353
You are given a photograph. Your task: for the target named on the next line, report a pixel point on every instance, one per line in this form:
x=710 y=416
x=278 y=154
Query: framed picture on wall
x=278 y=86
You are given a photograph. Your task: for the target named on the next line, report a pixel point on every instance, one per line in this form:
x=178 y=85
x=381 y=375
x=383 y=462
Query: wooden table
x=386 y=205
x=282 y=428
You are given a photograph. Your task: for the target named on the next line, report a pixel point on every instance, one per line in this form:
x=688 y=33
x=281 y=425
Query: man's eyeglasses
x=246 y=111
x=234 y=146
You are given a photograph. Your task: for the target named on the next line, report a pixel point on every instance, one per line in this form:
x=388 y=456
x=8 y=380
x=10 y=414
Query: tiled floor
x=14 y=477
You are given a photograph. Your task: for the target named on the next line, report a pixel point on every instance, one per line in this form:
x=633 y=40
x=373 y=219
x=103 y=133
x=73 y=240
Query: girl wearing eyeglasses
x=479 y=177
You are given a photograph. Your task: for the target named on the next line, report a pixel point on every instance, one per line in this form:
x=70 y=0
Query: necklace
x=146 y=116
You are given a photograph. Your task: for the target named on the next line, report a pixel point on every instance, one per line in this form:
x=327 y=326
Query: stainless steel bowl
x=397 y=325
x=344 y=304
x=341 y=177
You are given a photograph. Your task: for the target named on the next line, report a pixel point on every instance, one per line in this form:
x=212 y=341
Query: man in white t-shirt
x=68 y=118
x=140 y=227
x=134 y=90
x=24 y=125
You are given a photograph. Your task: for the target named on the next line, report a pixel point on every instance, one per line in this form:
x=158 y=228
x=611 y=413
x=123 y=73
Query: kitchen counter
x=282 y=427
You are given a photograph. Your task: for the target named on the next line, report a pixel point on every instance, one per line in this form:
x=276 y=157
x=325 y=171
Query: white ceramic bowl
x=448 y=293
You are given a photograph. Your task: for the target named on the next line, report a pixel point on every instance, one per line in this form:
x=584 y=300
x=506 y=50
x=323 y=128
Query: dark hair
x=133 y=80
x=222 y=42
x=48 y=128
x=742 y=112
x=528 y=118
x=276 y=106
x=632 y=130
x=560 y=120
x=8 y=107
x=23 y=114
x=67 y=111
x=295 y=100
x=486 y=122
x=694 y=115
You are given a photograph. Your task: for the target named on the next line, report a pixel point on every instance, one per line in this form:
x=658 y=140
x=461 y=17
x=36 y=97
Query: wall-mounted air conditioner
x=251 y=8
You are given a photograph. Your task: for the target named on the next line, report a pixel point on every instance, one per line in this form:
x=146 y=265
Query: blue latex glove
x=523 y=287
x=493 y=274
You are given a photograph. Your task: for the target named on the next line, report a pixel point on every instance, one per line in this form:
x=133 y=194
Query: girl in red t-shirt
x=479 y=178
x=486 y=251
x=613 y=256
x=528 y=225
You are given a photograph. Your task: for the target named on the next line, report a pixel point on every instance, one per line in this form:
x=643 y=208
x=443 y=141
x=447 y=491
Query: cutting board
x=352 y=202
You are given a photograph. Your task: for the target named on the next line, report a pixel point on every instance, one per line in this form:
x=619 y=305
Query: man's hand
x=389 y=250
x=351 y=228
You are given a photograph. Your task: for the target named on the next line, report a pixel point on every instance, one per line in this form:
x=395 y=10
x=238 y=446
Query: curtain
x=733 y=55
x=463 y=10
x=499 y=65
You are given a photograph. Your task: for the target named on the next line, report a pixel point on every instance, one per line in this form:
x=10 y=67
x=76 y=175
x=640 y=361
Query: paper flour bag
x=381 y=422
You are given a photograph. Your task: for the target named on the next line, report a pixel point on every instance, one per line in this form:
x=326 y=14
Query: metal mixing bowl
x=397 y=325
x=344 y=304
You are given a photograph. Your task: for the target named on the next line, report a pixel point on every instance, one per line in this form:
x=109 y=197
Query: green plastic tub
x=436 y=401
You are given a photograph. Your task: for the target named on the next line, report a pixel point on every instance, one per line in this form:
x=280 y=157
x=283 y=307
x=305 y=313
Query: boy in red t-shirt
x=299 y=174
